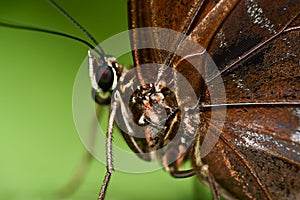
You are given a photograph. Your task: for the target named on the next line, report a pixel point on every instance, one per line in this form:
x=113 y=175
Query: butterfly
x=229 y=106
x=255 y=150
x=256 y=155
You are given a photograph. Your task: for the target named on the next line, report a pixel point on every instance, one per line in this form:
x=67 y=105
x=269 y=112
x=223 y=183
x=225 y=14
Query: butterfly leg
x=205 y=174
x=201 y=169
x=182 y=173
x=109 y=160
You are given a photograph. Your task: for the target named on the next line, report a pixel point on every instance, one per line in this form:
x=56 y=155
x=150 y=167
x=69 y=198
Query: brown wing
x=163 y=14
x=257 y=154
x=272 y=73
x=179 y=15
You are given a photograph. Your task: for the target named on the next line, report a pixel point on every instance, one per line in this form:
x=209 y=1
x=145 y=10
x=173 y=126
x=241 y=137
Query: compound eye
x=105 y=77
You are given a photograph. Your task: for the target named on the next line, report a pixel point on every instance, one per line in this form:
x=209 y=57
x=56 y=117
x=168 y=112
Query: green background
x=39 y=146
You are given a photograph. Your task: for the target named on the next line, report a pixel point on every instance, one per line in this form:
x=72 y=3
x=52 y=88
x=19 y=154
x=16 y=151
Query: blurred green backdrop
x=39 y=147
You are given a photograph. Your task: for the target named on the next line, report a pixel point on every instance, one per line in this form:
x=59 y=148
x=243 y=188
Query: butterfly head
x=104 y=74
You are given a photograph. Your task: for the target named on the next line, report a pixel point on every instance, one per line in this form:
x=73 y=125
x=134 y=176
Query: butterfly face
x=104 y=73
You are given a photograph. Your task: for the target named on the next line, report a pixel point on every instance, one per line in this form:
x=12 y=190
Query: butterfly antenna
x=15 y=26
x=99 y=48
